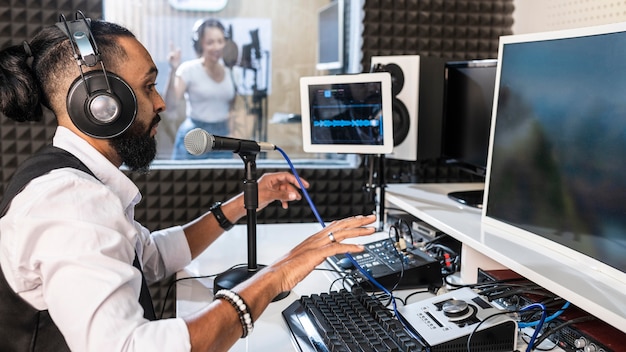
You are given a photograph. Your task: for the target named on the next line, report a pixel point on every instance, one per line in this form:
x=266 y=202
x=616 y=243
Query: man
x=68 y=239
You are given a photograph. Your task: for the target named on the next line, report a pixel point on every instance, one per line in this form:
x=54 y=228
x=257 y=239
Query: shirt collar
x=105 y=171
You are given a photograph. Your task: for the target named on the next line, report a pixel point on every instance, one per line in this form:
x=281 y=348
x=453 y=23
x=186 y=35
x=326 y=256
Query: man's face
x=136 y=147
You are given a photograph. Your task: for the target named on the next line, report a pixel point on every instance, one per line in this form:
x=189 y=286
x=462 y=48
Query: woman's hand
x=281 y=186
x=174 y=57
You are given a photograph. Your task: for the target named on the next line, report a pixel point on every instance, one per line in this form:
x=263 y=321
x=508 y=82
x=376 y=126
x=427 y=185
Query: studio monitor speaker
x=417 y=85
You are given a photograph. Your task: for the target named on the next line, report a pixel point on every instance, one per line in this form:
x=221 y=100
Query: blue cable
x=319 y=219
x=539 y=325
x=522 y=324
x=304 y=191
x=348 y=255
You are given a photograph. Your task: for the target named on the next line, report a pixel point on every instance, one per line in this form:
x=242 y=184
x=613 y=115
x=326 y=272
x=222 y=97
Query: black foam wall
x=451 y=29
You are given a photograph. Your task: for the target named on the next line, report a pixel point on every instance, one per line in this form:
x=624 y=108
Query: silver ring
x=332 y=238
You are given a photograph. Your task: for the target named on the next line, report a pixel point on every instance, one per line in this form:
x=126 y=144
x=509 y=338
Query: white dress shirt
x=67 y=244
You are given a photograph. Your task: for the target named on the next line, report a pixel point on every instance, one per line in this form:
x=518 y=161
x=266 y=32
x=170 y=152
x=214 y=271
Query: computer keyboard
x=346 y=321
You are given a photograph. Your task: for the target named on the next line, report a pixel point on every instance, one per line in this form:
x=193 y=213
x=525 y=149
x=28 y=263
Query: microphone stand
x=235 y=276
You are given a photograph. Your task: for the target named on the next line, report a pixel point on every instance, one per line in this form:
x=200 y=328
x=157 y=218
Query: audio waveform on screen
x=346 y=123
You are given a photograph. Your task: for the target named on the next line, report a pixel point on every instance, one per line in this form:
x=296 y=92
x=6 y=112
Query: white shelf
x=562 y=275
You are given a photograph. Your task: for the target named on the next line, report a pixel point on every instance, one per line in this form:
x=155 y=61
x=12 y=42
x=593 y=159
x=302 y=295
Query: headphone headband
x=83 y=44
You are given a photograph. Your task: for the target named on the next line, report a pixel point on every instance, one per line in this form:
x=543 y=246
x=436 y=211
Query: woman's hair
x=198 y=32
x=30 y=72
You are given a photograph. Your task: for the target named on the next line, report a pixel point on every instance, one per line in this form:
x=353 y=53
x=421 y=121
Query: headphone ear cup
x=195 y=39
x=98 y=112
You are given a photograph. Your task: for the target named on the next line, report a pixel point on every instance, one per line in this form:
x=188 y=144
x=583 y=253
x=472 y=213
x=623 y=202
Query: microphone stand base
x=231 y=278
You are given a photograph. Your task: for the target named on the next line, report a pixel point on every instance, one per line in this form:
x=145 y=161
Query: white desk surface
x=430 y=203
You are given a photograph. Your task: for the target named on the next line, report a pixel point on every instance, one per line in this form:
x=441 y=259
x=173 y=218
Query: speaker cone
x=401 y=121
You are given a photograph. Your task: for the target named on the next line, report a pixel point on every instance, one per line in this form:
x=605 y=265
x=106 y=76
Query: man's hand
x=281 y=186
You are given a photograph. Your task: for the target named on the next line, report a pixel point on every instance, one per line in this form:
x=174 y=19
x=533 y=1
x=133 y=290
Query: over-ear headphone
x=100 y=103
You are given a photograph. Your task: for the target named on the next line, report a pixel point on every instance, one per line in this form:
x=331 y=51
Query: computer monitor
x=330 y=42
x=347 y=113
x=467 y=107
x=556 y=180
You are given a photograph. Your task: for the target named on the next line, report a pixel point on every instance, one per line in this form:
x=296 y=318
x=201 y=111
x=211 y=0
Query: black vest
x=22 y=327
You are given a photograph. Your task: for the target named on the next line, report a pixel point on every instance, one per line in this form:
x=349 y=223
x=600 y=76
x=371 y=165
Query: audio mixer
x=409 y=268
x=446 y=322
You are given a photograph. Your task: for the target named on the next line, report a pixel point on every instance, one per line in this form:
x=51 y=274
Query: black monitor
x=468 y=101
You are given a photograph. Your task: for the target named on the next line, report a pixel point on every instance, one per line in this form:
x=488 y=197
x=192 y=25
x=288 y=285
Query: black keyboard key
x=320 y=320
x=390 y=345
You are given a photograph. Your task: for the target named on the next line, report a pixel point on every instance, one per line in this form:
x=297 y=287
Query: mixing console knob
x=580 y=342
x=455 y=308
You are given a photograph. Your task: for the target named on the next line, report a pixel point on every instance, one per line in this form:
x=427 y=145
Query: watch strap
x=216 y=210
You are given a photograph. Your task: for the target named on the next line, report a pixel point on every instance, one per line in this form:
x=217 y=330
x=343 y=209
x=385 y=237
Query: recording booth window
x=264 y=55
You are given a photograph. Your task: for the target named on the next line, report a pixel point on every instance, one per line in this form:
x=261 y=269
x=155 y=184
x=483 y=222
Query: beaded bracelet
x=240 y=306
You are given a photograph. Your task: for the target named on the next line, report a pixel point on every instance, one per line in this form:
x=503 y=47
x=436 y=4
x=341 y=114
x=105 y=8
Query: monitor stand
x=470 y=198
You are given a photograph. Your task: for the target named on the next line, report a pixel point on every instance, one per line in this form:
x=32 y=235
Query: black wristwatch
x=216 y=210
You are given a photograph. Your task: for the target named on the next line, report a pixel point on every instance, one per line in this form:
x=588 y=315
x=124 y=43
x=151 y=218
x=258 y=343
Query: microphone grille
x=198 y=141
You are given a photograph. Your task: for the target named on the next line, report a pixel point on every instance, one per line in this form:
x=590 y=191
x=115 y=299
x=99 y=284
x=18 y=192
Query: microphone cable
x=349 y=256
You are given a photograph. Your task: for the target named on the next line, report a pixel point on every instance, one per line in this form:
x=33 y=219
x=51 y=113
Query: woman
x=206 y=84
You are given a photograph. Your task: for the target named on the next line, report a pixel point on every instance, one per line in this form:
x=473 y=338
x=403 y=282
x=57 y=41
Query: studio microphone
x=230 y=54
x=199 y=141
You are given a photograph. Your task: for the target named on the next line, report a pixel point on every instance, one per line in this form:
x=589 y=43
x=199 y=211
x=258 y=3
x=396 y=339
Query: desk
x=271 y=332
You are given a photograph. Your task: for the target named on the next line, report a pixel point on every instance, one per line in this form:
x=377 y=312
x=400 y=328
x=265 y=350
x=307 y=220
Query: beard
x=136 y=147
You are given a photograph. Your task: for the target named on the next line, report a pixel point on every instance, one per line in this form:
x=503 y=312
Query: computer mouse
x=345 y=263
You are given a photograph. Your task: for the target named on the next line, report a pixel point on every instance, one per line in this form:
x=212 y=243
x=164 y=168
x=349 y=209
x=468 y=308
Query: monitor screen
x=347 y=113
x=468 y=101
x=467 y=105
x=330 y=36
x=556 y=176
